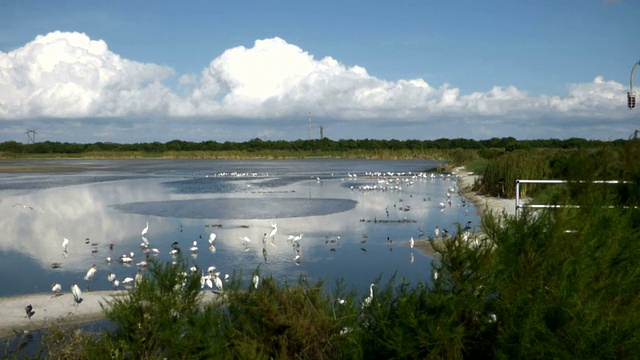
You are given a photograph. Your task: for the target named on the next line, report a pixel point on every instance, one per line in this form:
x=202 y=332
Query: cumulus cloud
x=69 y=75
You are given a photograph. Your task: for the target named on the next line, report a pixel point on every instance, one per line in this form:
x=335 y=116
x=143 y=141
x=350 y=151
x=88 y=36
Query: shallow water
x=344 y=229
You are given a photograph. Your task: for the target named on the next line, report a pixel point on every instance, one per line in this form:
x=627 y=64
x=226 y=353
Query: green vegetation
x=560 y=283
x=456 y=151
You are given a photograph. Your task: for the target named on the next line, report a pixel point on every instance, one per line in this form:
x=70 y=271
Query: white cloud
x=69 y=75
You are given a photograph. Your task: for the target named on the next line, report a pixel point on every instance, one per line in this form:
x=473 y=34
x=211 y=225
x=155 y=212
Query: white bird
x=217 y=281
x=367 y=301
x=116 y=283
x=65 y=242
x=138 y=278
x=146 y=228
x=437 y=232
x=256 y=281
x=245 y=239
x=274 y=230
x=127 y=280
x=111 y=277
x=194 y=248
x=91 y=272
x=411 y=242
x=57 y=288
x=212 y=238
x=77 y=293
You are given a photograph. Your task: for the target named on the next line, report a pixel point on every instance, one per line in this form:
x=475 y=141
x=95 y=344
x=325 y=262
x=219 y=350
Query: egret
x=56 y=288
x=116 y=283
x=194 y=247
x=245 y=239
x=138 y=278
x=217 y=281
x=77 y=293
x=274 y=230
x=437 y=232
x=91 y=272
x=256 y=280
x=411 y=242
x=29 y=311
x=65 y=242
x=212 y=238
x=211 y=269
x=367 y=301
x=127 y=280
x=144 y=231
x=111 y=277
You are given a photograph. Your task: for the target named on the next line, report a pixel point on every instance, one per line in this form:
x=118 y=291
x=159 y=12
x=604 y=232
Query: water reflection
x=352 y=228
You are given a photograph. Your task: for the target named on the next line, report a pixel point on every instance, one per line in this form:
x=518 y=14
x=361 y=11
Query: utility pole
x=309 y=129
x=631 y=95
x=321 y=132
x=31 y=136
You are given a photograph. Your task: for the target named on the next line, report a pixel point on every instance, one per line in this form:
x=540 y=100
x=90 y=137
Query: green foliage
x=560 y=283
x=500 y=173
x=162 y=318
x=286 y=321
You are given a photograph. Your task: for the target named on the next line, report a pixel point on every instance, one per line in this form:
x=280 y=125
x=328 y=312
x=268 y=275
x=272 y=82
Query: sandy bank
x=51 y=310
x=465 y=181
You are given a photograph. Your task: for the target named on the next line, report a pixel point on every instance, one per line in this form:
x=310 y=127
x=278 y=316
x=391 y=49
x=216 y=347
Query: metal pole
x=633 y=70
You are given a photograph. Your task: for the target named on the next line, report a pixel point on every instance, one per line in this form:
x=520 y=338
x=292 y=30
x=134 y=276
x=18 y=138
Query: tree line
x=314 y=145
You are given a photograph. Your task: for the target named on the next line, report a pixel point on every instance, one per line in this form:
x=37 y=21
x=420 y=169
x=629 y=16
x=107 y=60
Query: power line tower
x=321 y=132
x=31 y=136
x=309 y=129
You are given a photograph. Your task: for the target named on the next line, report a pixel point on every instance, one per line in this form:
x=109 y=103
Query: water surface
x=349 y=229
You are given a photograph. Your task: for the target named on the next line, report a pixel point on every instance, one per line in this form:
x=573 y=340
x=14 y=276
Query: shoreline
x=465 y=180
x=51 y=310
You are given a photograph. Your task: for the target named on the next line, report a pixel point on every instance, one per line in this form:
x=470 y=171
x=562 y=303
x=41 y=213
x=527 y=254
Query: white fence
x=520 y=204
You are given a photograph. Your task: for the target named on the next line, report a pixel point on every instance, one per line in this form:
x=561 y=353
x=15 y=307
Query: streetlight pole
x=631 y=95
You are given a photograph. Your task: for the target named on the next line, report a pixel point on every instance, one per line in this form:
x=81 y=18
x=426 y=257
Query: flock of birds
x=212 y=278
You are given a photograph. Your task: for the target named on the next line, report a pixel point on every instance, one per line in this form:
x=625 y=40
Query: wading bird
x=65 y=243
x=56 y=288
x=29 y=311
x=256 y=280
x=144 y=231
x=367 y=301
x=77 y=293
x=91 y=272
x=274 y=230
x=212 y=238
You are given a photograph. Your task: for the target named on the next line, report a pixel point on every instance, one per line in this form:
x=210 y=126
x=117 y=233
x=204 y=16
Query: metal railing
x=520 y=204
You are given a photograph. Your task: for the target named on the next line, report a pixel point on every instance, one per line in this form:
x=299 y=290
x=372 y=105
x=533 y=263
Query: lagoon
x=355 y=217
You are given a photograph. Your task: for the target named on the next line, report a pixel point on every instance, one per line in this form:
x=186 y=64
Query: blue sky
x=138 y=71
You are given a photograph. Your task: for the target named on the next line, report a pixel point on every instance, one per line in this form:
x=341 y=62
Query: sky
x=144 y=71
